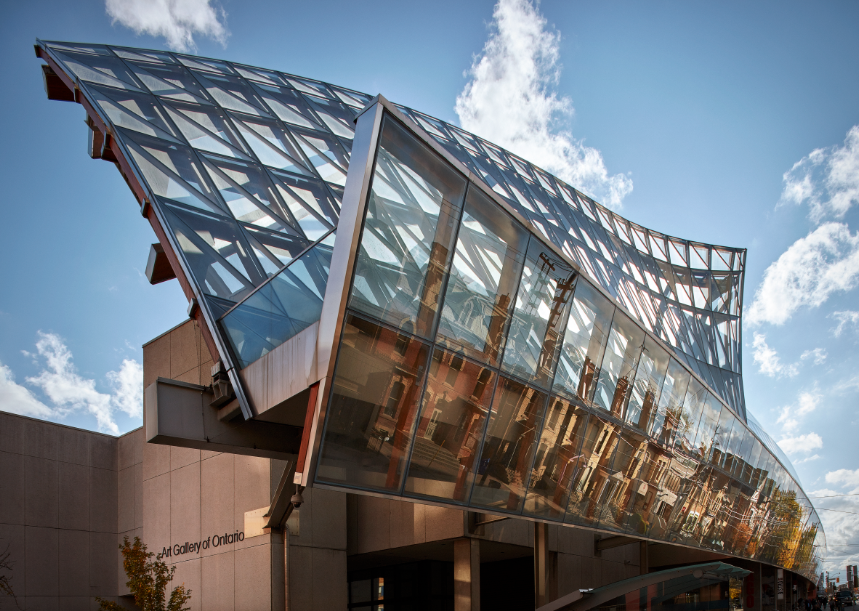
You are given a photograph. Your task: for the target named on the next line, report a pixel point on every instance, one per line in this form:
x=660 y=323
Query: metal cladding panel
x=242 y=172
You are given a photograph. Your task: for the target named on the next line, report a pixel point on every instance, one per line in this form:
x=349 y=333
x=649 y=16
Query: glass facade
x=545 y=357
x=478 y=368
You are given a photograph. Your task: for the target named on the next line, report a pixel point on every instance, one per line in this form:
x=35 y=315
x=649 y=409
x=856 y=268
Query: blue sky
x=726 y=123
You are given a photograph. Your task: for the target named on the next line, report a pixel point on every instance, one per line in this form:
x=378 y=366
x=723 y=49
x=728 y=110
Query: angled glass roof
x=250 y=163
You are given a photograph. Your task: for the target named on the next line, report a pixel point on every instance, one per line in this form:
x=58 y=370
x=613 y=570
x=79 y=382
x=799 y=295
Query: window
x=409 y=227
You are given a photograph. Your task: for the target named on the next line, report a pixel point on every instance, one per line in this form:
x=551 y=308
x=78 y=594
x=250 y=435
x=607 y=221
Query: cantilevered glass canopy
x=475 y=331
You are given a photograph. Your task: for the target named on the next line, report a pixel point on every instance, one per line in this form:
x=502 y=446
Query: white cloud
x=65 y=388
x=845 y=319
x=128 y=388
x=841 y=527
x=801 y=443
x=791 y=415
x=847 y=385
x=807 y=273
x=844 y=477
x=510 y=101
x=17 y=399
x=768 y=360
x=817 y=356
x=809 y=459
x=68 y=392
x=176 y=20
x=826 y=179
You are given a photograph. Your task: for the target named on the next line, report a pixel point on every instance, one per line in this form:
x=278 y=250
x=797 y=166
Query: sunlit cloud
x=177 y=21
x=801 y=443
x=813 y=268
x=768 y=361
x=510 y=99
x=17 y=399
x=791 y=416
x=68 y=392
x=846 y=319
x=825 y=179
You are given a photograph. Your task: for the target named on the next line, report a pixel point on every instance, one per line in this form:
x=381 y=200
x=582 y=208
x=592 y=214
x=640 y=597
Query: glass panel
x=215 y=251
x=648 y=382
x=710 y=410
x=743 y=454
x=557 y=458
x=625 y=342
x=272 y=146
x=273 y=249
x=288 y=106
x=722 y=438
x=137 y=111
x=688 y=417
x=509 y=447
x=531 y=345
x=327 y=156
x=659 y=498
x=592 y=482
x=756 y=454
x=207 y=129
x=231 y=93
x=584 y=342
x=490 y=250
x=456 y=403
x=99 y=69
x=624 y=504
x=374 y=400
x=289 y=303
x=249 y=194
x=169 y=81
x=172 y=171
x=408 y=233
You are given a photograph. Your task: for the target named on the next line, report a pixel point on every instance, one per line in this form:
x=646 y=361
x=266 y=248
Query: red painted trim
x=308 y=424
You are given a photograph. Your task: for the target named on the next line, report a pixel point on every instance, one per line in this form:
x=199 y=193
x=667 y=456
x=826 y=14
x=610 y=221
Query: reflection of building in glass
x=482 y=334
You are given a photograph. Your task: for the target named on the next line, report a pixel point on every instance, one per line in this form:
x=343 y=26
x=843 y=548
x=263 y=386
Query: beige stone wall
x=317 y=554
x=377 y=524
x=191 y=496
x=179 y=354
x=58 y=513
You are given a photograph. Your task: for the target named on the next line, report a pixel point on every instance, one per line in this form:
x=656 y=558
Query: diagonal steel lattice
x=250 y=164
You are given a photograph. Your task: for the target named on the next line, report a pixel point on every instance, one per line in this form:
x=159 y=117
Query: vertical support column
x=541 y=564
x=466 y=575
x=781 y=599
x=643 y=561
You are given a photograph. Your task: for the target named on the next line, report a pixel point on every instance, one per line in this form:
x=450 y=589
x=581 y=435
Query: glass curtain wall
x=478 y=368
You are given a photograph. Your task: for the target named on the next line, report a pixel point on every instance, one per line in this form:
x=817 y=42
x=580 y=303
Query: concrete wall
x=193 y=496
x=317 y=554
x=179 y=354
x=58 y=513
